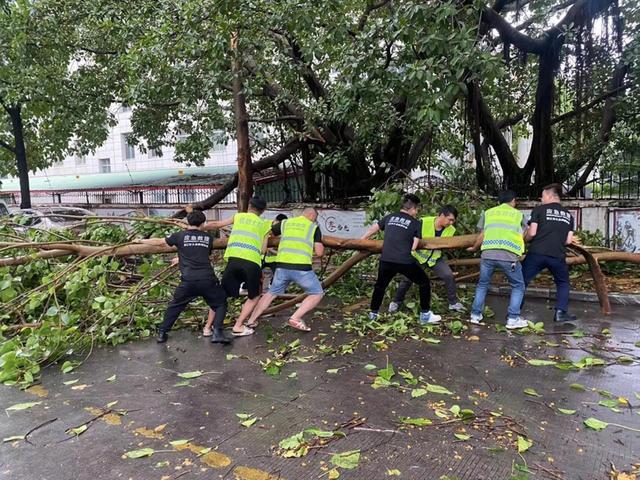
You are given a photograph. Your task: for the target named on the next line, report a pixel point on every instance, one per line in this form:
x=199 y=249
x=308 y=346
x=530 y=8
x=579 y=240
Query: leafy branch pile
x=56 y=308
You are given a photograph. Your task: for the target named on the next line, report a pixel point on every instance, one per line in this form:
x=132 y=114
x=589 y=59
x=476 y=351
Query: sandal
x=252 y=325
x=298 y=325
x=246 y=331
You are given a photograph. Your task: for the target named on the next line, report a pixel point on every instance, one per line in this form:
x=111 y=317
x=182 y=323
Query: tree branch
x=593 y=103
x=7 y=146
x=371 y=6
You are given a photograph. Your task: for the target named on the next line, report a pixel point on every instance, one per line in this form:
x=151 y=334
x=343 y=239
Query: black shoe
x=162 y=337
x=221 y=337
x=561 y=317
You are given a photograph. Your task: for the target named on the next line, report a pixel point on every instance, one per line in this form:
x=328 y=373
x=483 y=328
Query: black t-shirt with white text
x=400 y=229
x=194 y=248
x=554 y=224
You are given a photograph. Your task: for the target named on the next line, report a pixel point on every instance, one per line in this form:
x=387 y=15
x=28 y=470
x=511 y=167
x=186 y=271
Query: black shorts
x=240 y=271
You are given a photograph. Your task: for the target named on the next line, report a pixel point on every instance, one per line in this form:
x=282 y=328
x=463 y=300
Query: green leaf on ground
x=177 y=443
x=539 y=363
x=292 y=375
x=394 y=473
x=347 y=460
x=566 y=411
x=22 y=406
x=524 y=444
x=333 y=370
x=462 y=436
x=438 y=389
x=418 y=422
x=431 y=340
x=112 y=378
x=143 y=452
x=184 y=383
x=244 y=416
x=78 y=430
x=68 y=366
x=248 y=423
x=595 y=424
x=194 y=374
x=13 y=439
x=578 y=387
x=532 y=392
x=418 y=392
x=70 y=382
x=370 y=366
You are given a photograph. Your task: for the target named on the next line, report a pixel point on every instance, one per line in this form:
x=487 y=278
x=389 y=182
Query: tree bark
x=21 y=155
x=310 y=184
x=245 y=178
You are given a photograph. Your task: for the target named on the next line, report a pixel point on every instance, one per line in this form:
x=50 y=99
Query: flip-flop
x=253 y=325
x=246 y=331
x=298 y=325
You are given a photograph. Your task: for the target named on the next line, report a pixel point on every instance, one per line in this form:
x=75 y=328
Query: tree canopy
x=354 y=91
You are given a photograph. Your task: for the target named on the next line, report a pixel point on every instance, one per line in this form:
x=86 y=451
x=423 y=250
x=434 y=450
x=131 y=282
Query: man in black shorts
x=197 y=277
x=402 y=232
x=245 y=248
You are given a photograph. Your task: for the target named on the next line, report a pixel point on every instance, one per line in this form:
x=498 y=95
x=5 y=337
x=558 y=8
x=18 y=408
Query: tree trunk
x=541 y=154
x=310 y=184
x=245 y=177
x=21 y=156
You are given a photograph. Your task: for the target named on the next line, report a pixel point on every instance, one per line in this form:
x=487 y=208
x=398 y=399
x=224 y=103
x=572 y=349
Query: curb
x=550 y=294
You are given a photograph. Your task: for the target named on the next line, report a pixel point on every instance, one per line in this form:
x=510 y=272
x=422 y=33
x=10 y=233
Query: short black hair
x=196 y=218
x=258 y=203
x=447 y=210
x=506 y=196
x=410 y=201
x=281 y=216
x=555 y=188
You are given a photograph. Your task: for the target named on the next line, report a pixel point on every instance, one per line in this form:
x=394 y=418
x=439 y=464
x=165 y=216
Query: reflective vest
x=246 y=237
x=503 y=229
x=429 y=231
x=296 y=241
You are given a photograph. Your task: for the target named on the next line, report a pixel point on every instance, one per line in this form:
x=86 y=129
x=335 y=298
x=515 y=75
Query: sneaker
x=561 y=316
x=373 y=315
x=221 y=337
x=457 y=307
x=207 y=332
x=427 y=318
x=162 y=336
x=394 y=307
x=514 y=323
x=475 y=319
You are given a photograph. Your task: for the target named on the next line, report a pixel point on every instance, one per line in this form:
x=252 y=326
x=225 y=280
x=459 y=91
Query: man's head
x=447 y=215
x=257 y=205
x=410 y=204
x=279 y=218
x=507 y=196
x=311 y=213
x=551 y=193
x=196 y=218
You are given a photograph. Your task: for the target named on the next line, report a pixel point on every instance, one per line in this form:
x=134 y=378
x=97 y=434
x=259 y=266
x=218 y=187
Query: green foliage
x=53 y=309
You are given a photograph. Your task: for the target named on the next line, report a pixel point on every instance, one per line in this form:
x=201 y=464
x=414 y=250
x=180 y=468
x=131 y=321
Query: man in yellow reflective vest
x=300 y=238
x=502 y=243
x=245 y=248
x=434 y=227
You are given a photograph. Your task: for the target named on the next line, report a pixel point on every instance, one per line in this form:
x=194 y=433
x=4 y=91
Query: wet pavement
x=486 y=371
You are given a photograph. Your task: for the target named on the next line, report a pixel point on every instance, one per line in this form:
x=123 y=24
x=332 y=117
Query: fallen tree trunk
x=598 y=278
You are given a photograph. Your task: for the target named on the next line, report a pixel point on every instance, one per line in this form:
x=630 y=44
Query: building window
x=129 y=149
x=81 y=161
x=104 y=165
x=155 y=152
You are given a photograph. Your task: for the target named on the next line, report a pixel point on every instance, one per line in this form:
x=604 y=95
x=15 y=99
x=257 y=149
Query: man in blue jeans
x=550 y=231
x=502 y=244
